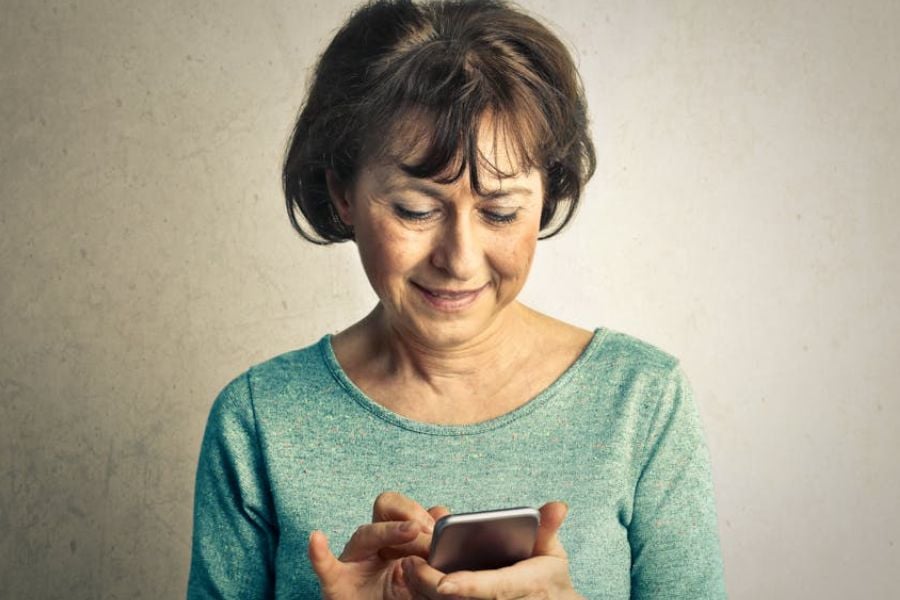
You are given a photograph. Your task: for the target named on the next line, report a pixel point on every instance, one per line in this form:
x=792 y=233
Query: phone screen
x=483 y=540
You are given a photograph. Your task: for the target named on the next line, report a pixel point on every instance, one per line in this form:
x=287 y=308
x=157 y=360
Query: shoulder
x=648 y=389
x=637 y=375
x=287 y=375
x=602 y=346
x=627 y=352
x=290 y=371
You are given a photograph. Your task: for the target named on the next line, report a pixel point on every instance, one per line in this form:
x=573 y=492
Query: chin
x=444 y=330
x=451 y=332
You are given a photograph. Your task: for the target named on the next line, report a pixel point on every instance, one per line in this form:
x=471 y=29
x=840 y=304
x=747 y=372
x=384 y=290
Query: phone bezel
x=494 y=517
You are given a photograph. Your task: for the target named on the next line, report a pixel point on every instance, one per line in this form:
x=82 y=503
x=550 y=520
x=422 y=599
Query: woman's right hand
x=369 y=566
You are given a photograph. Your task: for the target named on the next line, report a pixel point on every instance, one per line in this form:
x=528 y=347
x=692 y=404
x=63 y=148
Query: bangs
x=443 y=146
x=445 y=99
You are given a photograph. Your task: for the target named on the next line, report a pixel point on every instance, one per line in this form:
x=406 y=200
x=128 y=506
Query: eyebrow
x=420 y=186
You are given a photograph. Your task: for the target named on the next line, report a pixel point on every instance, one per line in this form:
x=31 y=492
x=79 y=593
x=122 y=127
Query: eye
x=500 y=218
x=413 y=215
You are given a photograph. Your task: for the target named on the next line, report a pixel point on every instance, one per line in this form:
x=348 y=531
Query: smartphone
x=490 y=539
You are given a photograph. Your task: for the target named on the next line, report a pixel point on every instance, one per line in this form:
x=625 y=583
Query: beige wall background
x=744 y=217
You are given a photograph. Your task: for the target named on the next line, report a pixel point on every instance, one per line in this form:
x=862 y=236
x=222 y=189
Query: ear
x=340 y=196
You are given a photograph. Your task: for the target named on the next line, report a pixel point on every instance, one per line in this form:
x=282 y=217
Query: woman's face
x=445 y=262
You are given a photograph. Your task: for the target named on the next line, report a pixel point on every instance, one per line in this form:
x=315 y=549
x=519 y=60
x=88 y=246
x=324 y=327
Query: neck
x=487 y=375
x=501 y=342
x=473 y=368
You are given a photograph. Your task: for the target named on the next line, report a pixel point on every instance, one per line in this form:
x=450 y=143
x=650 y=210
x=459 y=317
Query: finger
x=421 y=546
x=324 y=563
x=547 y=543
x=527 y=578
x=418 y=547
x=395 y=585
x=368 y=539
x=438 y=511
x=394 y=506
x=422 y=579
x=480 y=584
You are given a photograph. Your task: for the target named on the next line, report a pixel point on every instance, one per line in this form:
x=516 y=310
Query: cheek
x=514 y=256
x=387 y=255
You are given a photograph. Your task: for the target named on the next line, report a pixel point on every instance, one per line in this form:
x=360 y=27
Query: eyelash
x=497 y=218
x=411 y=215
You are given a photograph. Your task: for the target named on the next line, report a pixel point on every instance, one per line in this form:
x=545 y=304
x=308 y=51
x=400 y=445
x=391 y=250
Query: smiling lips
x=449 y=300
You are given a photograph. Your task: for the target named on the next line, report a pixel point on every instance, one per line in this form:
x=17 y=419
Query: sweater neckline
x=398 y=420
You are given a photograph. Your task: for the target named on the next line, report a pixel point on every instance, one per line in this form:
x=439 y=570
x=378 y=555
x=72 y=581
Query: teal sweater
x=292 y=445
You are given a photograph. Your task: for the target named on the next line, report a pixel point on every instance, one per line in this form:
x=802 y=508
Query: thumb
x=438 y=511
x=324 y=563
x=547 y=543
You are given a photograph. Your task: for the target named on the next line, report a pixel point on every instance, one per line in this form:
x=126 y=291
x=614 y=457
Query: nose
x=458 y=251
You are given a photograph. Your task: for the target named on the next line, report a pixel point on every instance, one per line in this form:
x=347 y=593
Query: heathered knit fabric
x=292 y=445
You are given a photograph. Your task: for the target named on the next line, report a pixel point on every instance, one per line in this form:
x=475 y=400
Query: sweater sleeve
x=235 y=532
x=673 y=534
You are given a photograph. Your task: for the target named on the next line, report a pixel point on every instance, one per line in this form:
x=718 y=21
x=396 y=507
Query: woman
x=444 y=139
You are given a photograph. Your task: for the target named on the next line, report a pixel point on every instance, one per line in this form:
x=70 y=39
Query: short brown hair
x=454 y=61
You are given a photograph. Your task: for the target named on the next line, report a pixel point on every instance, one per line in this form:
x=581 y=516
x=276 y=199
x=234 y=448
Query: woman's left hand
x=544 y=575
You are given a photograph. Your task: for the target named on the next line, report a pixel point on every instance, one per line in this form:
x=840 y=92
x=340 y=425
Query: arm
x=673 y=533
x=235 y=530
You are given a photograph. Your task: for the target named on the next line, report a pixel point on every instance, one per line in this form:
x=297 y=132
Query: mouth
x=449 y=300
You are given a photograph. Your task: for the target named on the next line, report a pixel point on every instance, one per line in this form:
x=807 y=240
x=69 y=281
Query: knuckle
x=359 y=532
x=385 y=499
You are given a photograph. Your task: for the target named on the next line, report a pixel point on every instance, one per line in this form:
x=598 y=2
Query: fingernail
x=447 y=587
x=428 y=526
x=406 y=526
